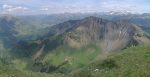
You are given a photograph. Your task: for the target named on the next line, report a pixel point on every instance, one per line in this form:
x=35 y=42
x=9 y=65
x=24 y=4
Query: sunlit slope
x=131 y=62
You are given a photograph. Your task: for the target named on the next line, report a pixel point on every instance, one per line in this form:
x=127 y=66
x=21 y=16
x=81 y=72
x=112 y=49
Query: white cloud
x=6 y=6
x=44 y=9
x=10 y=9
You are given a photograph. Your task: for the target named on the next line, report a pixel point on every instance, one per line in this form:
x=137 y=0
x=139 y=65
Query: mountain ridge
x=93 y=29
x=107 y=35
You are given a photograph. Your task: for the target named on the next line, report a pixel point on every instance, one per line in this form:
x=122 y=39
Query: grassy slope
x=78 y=58
x=131 y=62
x=8 y=71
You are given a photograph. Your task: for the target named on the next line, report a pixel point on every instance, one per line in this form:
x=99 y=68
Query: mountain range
x=65 y=43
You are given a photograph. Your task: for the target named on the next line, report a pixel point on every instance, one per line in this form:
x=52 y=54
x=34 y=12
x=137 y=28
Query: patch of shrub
x=108 y=63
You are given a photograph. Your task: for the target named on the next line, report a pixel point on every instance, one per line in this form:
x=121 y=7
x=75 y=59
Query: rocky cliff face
x=109 y=35
x=105 y=34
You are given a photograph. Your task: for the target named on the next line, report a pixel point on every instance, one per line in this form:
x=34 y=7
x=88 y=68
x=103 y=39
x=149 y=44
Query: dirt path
x=39 y=53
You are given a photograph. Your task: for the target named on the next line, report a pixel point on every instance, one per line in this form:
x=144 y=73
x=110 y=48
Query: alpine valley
x=109 y=44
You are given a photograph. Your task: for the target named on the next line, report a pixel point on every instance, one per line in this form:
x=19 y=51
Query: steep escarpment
x=109 y=35
x=105 y=34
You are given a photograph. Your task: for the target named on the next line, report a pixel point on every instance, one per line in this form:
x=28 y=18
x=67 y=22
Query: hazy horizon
x=33 y=7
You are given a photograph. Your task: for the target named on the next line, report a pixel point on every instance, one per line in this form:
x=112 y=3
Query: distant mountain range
x=38 y=26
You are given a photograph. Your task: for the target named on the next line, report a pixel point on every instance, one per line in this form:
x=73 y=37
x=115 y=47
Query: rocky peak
x=110 y=35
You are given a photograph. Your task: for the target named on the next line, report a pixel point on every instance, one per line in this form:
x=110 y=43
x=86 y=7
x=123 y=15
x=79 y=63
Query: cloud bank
x=72 y=6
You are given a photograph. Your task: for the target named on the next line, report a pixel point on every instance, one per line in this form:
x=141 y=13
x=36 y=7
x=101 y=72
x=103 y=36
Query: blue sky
x=72 y=6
